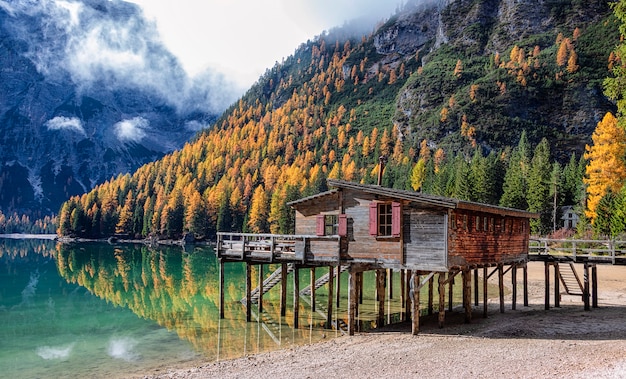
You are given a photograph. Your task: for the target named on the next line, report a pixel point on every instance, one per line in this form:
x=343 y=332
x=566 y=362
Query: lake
x=102 y=310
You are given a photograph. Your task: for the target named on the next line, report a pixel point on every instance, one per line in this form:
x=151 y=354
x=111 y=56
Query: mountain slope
x=447 y=80
x=87 y=91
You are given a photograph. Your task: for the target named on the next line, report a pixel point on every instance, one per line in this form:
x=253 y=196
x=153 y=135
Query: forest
x=331 y=110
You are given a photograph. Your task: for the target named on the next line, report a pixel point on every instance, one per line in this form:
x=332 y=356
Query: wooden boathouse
x=357 y=227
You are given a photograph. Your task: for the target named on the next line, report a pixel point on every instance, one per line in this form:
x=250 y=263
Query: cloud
x=65 y=123
x=132 y=130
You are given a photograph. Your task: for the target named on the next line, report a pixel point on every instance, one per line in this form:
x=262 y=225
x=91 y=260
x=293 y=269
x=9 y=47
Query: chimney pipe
x=381 y=167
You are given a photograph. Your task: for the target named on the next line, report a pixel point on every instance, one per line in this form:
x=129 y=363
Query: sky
x=243 y=38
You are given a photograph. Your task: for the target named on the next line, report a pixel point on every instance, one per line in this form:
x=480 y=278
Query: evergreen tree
x=604 y=213
x=538 y=196
x=515 y=179
x=618 y=219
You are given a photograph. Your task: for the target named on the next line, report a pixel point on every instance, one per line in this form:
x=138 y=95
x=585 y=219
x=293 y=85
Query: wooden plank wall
x=424 y=236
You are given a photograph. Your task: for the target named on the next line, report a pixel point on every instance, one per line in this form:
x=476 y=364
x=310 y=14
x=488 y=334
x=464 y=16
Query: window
x=492 y=224
x=465 y=223
x=503 y=226
x=385 y=219
x=485 y=226
x=477 y=225
x=332 y=225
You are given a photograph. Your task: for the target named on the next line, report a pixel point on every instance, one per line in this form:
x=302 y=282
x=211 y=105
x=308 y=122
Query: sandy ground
x=529 y=342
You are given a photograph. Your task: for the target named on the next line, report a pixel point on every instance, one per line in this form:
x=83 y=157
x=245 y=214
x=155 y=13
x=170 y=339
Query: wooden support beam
x=557 y=286
x=415 y=311
x=514 y=286
x=221 y=263
x=338 y=280
x=467 y=295
x=407 y=294
x=485 y=295
x=390 y=283
x=283 y=290
x=547 y=277
x=296 y=296
x=450 y=290
x=260 y=303
x=594 y=286
x=312 y=286
x=431 y=285
x=360 y=288
x=248 y=292
x=525 y=271
x=381 y=275
x=352 y=301
x=586 y=287
x=476 y=287
x=402 y=286
x=501 y=285
x=329 y=315
x=442 y=299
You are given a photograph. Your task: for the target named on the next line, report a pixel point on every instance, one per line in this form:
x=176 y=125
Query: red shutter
x=396 y=219
x=373 y=218
x=319 y=227
x=342 y=228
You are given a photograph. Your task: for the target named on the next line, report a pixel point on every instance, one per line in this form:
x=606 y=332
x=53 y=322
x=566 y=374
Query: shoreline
x=529 y=342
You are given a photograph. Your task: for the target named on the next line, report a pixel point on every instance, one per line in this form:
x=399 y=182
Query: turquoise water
x=98 y=310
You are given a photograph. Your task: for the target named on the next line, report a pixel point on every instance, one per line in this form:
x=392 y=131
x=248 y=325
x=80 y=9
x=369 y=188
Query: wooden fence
x=601 y=251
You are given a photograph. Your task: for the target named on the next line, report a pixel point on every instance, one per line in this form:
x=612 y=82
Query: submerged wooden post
x=594 y=286
x=360 y=288
x=402 y=285
x=467 y=295
x=338 y=286
x=450 y=290
x=260 y=303
x=415 y=312
x=296 y=296
x=221 y=288
x=248 y=292
x=547 y=274
x=586 y=287
x=407 y=295
x=485 y=295
x=312 y=286
x=514 y=286
x=380 y=291
x=329 y=315
x=352 y=301
x=501 y=285
x=390 y=282
x=283 y=290
x=557 y=286
x=442 y=299
x=525 y=271
x=431 y=285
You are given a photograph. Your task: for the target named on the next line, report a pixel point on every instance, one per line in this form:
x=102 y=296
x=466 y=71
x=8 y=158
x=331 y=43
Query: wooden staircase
x=268 y=284
x=570 y=280
x=323 y=280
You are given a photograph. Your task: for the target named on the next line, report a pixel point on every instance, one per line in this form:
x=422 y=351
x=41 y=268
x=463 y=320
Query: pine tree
x=515 y=179
x=538 y=195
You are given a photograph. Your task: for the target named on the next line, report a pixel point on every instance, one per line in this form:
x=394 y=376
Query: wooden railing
x=271 y=247
x=592 y=250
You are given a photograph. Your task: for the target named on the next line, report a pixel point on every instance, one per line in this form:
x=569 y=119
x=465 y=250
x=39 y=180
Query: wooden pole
x=442 y=299
x=586 y=287
x=221 y=288
x=402 y=285
x=407 y=294
x=296 y=296
x=283 y=290
x=431 y=285
x=352 y=301
x=248 y=292
x=485 y=295
x=390 y=282
x=312 y=286
x=467 y=295
x=476 y=287
x=415 y=312
x=450 y=291
x=260 y=303
x=525 y=272
x=514 y=287
x=547 y=274
x=501 y=285
x=329 y=315
x=594 y=286
x=338 y=286
x=360 y=288
x=380 y=290
x=557 y=286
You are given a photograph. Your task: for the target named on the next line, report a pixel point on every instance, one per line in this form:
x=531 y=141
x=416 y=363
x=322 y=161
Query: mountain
x=468 y=87
x=88 y=91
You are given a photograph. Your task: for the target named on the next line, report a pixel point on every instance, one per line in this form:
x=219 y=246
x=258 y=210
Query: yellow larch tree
x=606 y=168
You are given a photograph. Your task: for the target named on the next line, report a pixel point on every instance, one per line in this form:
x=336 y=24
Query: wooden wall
x=425 y=239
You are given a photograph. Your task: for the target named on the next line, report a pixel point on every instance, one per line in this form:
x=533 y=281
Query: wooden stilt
x=415 y=312
x=360 y=288
x=248 y=292
x=359 y=291
x=338 y=286
x=485 y=295
x=594 y=286
x=312 y=286
x=329 y=315
x=380 y=290
x=476 y=287
x=390 y=283
x=296 y=297
x=450 y=291
x=586 y=287
x=402 y=285
x=547 y=274
x=557 y=286
x=221 y=288
x=352 y=301
x=442 y=299
x=283 y=290
x=431 y=285
x=467 y=295
x=407 y=294
x=260 y=303
x=501 y=285
x=514 y=287
x=525 y=271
